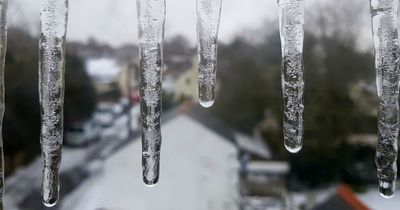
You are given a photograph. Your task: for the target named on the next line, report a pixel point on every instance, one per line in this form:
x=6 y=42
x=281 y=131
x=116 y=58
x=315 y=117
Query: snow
x=199 y=170
x=254 y=146
x=105 y=69
x=311 y=198
x=270 y=167
x=27 y=180
x=375 y=201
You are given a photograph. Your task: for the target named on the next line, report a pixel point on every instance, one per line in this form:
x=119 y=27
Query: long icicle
x=3 y=49
x=151 y=15
x=386 y=44
x=208 y=18
x=291 y=21
x=53 y=23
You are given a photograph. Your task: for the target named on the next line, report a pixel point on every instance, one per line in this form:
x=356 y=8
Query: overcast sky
x=115 y=21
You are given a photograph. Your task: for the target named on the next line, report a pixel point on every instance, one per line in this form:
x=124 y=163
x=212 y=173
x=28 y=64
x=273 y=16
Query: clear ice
x=291 y=21
x=386 y=44
x=3 y=49
x=208 y=18
x=151 y=15
x=53 y=24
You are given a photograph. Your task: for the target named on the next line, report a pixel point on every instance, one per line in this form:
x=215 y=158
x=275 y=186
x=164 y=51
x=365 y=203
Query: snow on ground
x=28 y=179
x=198 y=171
x=310 y=198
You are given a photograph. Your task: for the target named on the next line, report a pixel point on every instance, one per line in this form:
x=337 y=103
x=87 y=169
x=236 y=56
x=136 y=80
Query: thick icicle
x=151 y=15
x=3 y=49
x=53 y=23
x=291 y=20
x=385 y=33
x=386 y=43
x=208 y=16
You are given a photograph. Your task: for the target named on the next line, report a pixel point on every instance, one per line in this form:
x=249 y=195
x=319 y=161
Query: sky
x=115 y=21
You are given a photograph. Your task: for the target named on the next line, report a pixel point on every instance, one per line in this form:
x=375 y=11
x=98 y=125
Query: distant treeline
x=250 y=97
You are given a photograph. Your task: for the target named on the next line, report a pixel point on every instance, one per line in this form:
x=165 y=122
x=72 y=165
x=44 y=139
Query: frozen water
x=386 y=44
x=291 y=20
x=151 y=15
x=3 y=49
x=208 y=18
x=53 y=22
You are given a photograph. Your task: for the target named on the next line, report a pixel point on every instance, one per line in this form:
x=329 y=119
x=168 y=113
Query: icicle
x=151 y=14
x=208 y=16
x=53 y=22
x=3 y=49
x=386 y=43
x=291 y=20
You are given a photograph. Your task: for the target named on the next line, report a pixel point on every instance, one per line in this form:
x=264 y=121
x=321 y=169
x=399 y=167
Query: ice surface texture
x=3 y=49
x=151 y=15
x=208 y=18
x=53 y=24
x=291 y=21
x=386 y=44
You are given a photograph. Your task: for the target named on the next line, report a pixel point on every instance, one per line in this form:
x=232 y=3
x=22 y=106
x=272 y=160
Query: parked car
x=118 y=110
x=82 y=134
x=104 y=116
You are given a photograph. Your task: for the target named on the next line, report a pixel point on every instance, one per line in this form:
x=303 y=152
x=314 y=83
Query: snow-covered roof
x=252 y=145
x=268 y=167
x=374 y=200
x=344 y=198
x=103 y=69
x=198 y=171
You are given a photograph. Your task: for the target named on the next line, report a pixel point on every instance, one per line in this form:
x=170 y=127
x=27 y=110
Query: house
x=186 y=83
x=126 y=80
x=103 y=71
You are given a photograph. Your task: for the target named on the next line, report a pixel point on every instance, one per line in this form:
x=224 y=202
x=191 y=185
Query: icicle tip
x=150 y=183
x=293 y=149
x=387 y=189
x=206 y=104
x=50 y=202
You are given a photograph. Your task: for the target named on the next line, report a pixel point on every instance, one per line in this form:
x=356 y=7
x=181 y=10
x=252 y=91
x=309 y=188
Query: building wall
x=186 y=84
x=123 y=80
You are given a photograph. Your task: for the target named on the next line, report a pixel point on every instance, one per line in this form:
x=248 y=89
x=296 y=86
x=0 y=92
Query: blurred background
x=224 y=158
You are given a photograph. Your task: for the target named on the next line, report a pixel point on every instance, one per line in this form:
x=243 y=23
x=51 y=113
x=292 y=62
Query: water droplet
x=206 y=104
x=51 y=202
x=387 y=189
x=293 y=149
